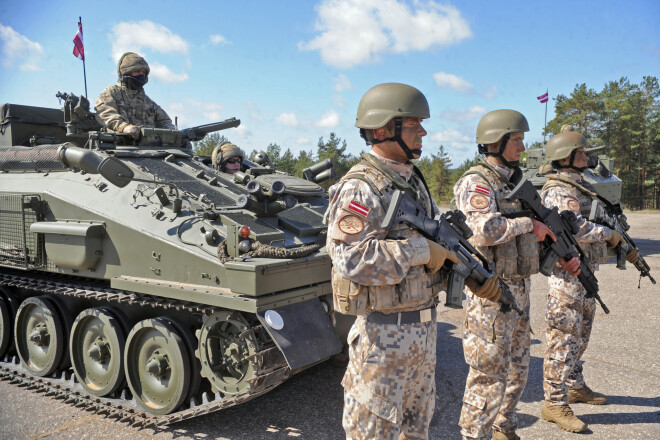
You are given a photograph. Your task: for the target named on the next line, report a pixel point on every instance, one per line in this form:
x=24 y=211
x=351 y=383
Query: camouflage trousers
x=570 y=317
x=496 y=347
x=389 y=385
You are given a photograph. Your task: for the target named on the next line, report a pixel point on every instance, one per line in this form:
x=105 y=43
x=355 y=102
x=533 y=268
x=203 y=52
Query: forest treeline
x=623 y=116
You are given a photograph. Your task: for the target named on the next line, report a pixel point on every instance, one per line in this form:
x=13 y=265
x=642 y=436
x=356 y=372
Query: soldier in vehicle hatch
x=124 y=107
x=495 y=344
x=227 y=158
x=389 y=278
x=570 y=312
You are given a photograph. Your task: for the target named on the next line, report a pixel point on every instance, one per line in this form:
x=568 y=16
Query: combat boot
x=499 y=435
x=586 y=395
x=563 y=416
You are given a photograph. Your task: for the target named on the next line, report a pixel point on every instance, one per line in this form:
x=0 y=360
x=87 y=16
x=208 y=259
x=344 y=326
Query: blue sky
x=294 y=71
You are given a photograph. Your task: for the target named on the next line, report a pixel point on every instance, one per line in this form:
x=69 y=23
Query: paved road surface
x=623 y=361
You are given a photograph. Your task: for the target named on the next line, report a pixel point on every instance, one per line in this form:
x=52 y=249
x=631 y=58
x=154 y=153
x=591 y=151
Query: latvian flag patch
x=358 y=208
x=481 y=189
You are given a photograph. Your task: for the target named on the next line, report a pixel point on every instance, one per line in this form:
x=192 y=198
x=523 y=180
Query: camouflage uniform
x=570 y=314
x=119 y=106
x=495 y=344
x=390 y=379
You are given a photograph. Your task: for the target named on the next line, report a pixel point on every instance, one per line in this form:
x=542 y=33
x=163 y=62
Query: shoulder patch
x=573 y=205
x=351 y=224
x=479 y=201
x=358 y=208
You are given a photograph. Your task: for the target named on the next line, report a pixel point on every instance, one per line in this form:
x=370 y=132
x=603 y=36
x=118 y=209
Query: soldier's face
x=514 y=147
x=233 y=164
x=412 y=133
x=581 y=159
x=138 y=72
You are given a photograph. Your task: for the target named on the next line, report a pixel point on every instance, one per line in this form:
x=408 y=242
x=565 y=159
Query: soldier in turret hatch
x=124 y=107
x=227 y=158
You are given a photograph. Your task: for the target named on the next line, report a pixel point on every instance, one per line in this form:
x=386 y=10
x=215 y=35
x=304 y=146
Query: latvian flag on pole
x=543 y=98
x=78 y=47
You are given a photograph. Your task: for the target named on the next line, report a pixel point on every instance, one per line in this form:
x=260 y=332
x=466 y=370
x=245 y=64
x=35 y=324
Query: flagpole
x=84 y=70
x=545 y=126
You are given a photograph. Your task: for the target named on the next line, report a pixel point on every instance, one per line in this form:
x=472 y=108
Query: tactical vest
x=517 y=258
x=418 y=289
x=596 y=252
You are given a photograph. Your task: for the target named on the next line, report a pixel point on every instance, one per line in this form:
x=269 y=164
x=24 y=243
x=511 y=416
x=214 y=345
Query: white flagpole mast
x=84 y=70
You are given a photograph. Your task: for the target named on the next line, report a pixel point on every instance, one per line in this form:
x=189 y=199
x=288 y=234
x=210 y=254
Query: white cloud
x=131 y=36
x=472 y=113
x=192 y=112
x=330 y=119
x=287 y=119
x=218 y=39
x=490 y=94
x=342 y=83
x=303 y=141
x=454 y=82
x=353 y=32
x=242 y=132
x=164 y=74
x=18 y=49
x=453 y=139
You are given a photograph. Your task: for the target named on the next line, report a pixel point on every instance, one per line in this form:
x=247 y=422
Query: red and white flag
x=543 y=98
x=78 y=47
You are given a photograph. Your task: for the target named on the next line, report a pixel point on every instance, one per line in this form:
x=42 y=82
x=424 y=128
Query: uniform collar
x=505 y=171
x=404 y=170
x=575 y=176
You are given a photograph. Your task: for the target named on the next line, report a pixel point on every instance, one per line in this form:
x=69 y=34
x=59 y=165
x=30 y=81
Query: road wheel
x=97 y=350
x=157 y=365
x=8 y=307
x=39 y=336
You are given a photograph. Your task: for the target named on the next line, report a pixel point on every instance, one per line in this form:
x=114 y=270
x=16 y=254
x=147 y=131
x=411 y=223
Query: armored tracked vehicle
x=139 y=282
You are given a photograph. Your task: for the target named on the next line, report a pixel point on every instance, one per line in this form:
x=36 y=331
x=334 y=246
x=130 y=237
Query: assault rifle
x=451 y=232
x=564 y=226
x=607 y=214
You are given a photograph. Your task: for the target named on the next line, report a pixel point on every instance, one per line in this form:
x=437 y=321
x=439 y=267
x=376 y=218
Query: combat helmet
x=563 y=145
x=224 y=151
x=384 y=102
x=496 y=126
x=130 y=62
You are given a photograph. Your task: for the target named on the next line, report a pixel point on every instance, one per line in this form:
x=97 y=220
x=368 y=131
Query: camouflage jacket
x=374 y=259
x=119 y=106
x=480 y=194
x=564 y=195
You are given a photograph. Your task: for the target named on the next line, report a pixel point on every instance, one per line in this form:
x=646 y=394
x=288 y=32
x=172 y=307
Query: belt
x=401 y=318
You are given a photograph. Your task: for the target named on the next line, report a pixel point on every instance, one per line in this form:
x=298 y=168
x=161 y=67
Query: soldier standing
x=124 y=107
x=390 y=278
x=496 y=344
x=570 y=312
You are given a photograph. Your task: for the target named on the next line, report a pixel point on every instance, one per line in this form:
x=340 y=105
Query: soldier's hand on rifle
x=438 y=257
x=541 y=230
x=489 y=290
x=571 y=266
x=132 y=130
x=616 y=239
x=632 y=256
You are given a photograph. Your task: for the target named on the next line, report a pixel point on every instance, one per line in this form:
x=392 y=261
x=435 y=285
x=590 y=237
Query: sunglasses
x=234 y=160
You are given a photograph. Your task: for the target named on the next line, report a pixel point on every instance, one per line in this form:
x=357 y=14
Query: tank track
x=273 y=369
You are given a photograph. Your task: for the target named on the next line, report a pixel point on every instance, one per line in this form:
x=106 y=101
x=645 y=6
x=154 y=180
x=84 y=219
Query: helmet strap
x=500 y=152
x=571 y=163
x=398 y=128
